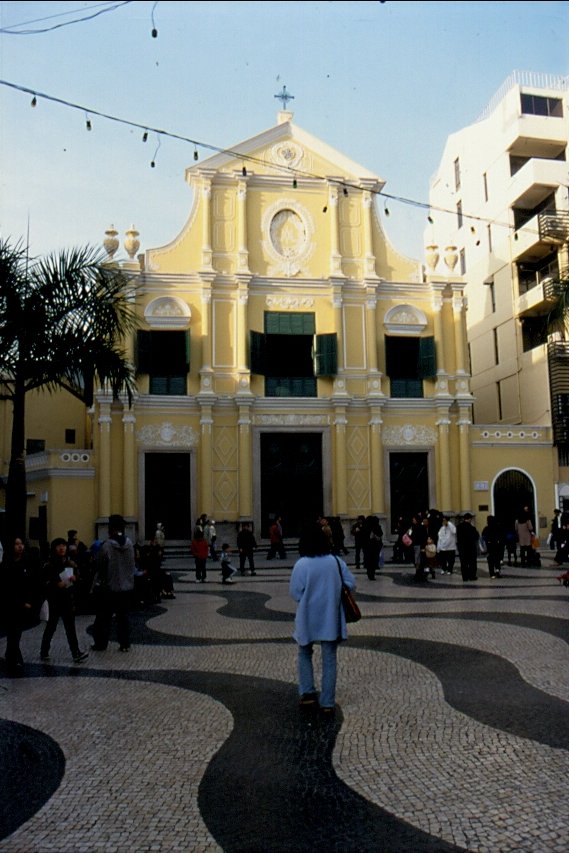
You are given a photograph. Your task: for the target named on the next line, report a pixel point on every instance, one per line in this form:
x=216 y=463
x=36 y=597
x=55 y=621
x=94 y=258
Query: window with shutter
x=165 y=357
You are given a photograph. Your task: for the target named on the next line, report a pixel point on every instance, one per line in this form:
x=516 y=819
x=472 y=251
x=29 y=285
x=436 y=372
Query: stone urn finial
x=111 y=241
x=432 y=256
x=451 y=257
x=131 y=244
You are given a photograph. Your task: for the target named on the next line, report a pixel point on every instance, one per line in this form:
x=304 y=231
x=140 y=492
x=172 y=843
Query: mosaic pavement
x=451 y=734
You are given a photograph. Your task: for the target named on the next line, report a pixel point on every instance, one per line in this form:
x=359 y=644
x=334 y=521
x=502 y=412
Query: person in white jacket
x=446 y=546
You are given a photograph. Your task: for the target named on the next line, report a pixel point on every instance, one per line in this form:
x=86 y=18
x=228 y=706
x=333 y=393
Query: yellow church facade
x=290 y=362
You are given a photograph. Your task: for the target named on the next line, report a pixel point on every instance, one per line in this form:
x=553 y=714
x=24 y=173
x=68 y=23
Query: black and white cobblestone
x=452 y=728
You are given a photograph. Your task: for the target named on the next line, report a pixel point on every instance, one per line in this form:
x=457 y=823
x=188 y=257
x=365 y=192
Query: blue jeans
x=306 y=671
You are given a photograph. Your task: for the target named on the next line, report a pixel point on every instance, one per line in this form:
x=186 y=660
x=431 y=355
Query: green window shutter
x=143 y=351
x=427 y=367
x=390 y=360
x=326 y=355
x=257 y=352
x=289 y=323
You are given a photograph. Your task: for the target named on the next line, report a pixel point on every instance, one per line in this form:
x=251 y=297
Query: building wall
x=253 y=244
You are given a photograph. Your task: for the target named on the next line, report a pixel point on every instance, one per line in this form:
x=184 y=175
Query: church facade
x=290 y=362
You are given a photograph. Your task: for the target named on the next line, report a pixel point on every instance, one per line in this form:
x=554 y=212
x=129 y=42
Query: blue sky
x=384 y=83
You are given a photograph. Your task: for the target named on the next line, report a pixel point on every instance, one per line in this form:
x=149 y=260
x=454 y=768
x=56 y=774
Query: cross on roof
x=284 y=97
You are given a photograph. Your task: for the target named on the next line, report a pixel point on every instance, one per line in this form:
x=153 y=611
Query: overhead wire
x=109 y=7
x=294 y=172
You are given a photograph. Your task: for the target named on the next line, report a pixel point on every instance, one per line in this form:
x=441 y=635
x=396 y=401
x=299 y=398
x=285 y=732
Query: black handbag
x=351 y=610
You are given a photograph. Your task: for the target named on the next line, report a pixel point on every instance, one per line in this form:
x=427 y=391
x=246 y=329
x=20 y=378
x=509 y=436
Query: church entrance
x=167 y=495
x=291 y=480
x=409 y=485
x=513 y=490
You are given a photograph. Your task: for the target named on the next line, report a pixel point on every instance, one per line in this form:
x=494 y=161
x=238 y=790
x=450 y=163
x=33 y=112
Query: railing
x=554 y=225
x=531 y=79
x=558 y=359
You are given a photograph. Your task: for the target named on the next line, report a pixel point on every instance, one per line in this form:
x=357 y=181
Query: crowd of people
x=107 y=579
x=111 y=577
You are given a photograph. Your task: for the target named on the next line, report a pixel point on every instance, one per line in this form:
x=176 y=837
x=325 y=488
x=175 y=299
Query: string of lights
x=14 y=30
x=294 y=172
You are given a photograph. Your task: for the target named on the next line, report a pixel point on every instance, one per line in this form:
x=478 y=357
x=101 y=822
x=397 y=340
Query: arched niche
x=168 y=312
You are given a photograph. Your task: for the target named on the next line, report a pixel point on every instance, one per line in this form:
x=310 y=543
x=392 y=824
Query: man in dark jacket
x=246 y=544
x=114 y=584
x=467 y=546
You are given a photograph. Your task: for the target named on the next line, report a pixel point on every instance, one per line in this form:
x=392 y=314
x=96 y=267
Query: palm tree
x=64 y=321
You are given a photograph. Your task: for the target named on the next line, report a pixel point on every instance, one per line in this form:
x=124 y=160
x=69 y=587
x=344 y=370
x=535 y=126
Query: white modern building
x=500 y=200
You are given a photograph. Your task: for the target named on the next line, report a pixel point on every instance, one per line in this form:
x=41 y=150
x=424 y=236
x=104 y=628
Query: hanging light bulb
x=325 y=208
x=88 y=124
x=244 y=171
x=196 y=155
x=345 y=191
x=154 y=33
x=430 y=219
x=386 y=210
x=152 y=164
x=34 y=101
x=145 y=136
x=294 y=183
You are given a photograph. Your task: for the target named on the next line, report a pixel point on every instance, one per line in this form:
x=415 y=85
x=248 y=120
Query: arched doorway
x=513 y=490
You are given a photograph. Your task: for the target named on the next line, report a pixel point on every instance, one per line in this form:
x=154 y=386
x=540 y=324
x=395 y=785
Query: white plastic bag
x=44 y=612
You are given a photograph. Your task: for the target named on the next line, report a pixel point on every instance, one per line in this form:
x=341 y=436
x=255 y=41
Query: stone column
x=441 y=388
x=369 y=257
x=340 y=422
x=376 y=464
x=333 y=207
x=458 y=307
x=245 y=462
x=129 y=457
x=206 y=370
x=206 y=460
x=242 y=300
x=444 y=497
x=242 y=246
x=105 y=421
x=207 y=251
x=337 y=302
x=464 y=423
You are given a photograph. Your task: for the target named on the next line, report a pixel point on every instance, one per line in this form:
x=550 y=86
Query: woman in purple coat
x=316 y=585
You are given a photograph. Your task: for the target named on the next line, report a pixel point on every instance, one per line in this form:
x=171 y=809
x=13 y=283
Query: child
x=430 y=556
x=227 y=570
x=200 y=552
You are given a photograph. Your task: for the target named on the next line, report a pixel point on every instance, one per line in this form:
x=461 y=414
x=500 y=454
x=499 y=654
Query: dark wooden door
x=409 y=479
x=167 y=494
x=291 y=479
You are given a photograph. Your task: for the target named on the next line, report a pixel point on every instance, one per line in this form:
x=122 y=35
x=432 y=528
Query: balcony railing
x=555 y=285
x=554 y=226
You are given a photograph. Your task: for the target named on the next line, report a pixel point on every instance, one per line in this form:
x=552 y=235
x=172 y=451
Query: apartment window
x=165 y=357
x=496 y=350
x=408 y=361
x=459 y=214
x=70 y=436
x=530 y=274
x=537 y=105
x=35 y=445
x=534 y=332
x=492 y=293
x=462 y=262
x=485 y=185
x=291 y=356
x=457 y=174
